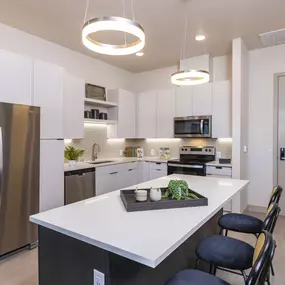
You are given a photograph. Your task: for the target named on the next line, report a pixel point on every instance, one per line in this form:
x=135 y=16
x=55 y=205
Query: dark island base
x=66 y=261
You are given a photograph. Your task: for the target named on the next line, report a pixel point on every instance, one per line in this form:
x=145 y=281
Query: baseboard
x=257 y=209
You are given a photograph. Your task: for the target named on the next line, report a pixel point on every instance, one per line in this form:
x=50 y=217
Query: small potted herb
x=72 y=154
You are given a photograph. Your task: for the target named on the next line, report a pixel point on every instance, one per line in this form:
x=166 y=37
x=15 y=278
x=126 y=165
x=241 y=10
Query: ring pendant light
x=189 y=77
x=111 y=23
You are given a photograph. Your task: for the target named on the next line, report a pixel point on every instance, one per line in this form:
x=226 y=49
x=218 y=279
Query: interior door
x=19 y=175
x=281 y=138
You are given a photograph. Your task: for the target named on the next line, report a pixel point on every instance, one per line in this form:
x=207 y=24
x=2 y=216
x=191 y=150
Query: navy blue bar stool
x=244 y=223
x=228 y=253
x=262 y=257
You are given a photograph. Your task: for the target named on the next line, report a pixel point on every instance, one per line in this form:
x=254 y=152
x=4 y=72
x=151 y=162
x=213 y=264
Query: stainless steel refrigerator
x=19 y=175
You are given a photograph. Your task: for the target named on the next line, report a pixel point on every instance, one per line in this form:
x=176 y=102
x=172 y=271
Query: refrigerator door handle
x=282 y=153
x=1 y=162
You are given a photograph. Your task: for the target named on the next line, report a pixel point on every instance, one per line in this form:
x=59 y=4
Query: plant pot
x=72 y=163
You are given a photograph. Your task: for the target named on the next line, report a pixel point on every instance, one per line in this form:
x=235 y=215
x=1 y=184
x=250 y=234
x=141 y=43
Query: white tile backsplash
x=110 y=148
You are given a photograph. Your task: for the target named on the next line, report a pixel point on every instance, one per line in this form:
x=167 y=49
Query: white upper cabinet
x=184 y=102
x=73 y=107
x=202 y=97
x=165 y=113
x=15 y=78
x=146 y=115
x=221 y=109
x=48 y=94
x=124 y=114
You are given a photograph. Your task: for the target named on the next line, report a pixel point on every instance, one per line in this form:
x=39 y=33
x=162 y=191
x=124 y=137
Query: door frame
x=276 y=125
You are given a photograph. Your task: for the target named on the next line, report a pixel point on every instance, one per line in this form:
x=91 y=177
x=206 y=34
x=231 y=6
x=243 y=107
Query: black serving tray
x=129 y=200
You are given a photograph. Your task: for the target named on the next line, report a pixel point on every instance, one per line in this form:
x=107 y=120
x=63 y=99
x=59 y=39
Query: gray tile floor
x=22 y=268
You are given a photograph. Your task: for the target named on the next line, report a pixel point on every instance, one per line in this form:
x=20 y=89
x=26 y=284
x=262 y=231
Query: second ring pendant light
x=111 y=23
x=188 y=77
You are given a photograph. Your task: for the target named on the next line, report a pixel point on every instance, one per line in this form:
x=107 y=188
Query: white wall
x=92 y=70
x=263 y=64
x=240 y=100
x=161 y=78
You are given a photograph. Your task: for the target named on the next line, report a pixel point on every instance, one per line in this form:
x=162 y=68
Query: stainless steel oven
x=193 y=127
x=192 y=160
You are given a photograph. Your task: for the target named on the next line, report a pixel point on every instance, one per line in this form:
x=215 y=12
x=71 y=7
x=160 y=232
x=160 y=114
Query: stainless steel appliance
x=19 y=175
x=79 y=185
x=192 y=160
x=193 y=127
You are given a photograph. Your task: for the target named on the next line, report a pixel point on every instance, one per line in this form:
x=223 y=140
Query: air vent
x=273 y=38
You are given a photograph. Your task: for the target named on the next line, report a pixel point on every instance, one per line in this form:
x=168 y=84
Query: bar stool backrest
x=263 y=254
x=271 y=217
x=275 y=195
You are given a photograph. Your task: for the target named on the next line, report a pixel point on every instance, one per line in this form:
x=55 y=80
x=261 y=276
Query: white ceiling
x=60 y=21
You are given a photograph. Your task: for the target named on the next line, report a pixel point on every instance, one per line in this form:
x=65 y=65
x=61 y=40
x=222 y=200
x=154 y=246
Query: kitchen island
x=135 y=248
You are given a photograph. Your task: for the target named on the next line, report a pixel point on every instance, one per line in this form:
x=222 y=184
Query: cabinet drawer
x=158 y=166
x=101 y=170
x=219 y=170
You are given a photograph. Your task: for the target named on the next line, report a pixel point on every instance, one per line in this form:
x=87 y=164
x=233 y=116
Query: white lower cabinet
x=221 y=172
x=157 y=170
x=114 y=177
x=51 y=174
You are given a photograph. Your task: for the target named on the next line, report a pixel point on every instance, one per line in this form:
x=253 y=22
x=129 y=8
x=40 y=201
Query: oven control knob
x=206 y=149
x=210 y=150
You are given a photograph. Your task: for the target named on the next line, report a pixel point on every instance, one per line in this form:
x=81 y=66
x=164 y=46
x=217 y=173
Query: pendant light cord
x=86 y=10
x=184 y=41
x=124 y=15
x=133 y=10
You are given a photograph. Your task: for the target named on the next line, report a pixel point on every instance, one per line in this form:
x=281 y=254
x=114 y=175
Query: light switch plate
x=99 y=278
x=218 y=155
x=121 y=152
x=152 y=151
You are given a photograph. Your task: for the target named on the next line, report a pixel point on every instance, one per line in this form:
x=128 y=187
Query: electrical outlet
x=99 y=278
x=218 y=155
x=152 y=151
x=121 y=152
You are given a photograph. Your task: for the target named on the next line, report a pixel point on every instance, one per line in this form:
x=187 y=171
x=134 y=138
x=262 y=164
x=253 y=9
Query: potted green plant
x=72 y=154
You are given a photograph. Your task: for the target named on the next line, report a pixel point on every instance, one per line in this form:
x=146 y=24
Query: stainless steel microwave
x=193 y=127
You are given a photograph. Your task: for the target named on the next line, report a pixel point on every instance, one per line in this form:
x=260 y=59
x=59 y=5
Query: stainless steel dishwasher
x=79 y=185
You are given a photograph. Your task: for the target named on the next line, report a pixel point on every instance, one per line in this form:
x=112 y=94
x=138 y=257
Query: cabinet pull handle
x=158 y=169
x=158 y=163
x=113 y=173
x=219 y=167
x=130 y=169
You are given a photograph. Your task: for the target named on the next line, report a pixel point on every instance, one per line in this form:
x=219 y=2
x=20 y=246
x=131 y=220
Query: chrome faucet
x=95 y=153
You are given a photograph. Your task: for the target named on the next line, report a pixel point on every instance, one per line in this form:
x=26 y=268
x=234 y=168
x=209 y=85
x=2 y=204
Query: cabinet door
x=51 y=174
x=146 y=110
x=73 y=106
x=184 y=102
x=127 y=114
x=103 y=184
x=221 y=109
x=157 y=173
x=202 y=99
x=48 y=94
x=165 y=113
x=15 y=78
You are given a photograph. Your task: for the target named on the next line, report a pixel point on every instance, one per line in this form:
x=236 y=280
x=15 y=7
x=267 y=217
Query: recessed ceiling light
x=139 y=54
x=200 y=38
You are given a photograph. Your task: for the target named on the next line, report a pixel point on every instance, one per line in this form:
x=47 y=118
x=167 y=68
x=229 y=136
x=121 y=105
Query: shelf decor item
x=72 y=154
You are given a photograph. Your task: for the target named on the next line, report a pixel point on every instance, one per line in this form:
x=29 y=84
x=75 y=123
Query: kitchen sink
x=100 y=162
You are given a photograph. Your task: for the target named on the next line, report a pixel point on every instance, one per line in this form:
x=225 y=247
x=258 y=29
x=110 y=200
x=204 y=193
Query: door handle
x=282 y=153
x=113 y=173
x=130 y=169
x=201 y=126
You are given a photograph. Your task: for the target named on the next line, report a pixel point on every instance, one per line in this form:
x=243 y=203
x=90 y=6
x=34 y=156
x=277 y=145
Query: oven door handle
x=186 y=166
x=202 y=126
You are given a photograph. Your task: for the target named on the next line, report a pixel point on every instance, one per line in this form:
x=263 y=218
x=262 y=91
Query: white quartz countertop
x=84 y=165
x=147 y=237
